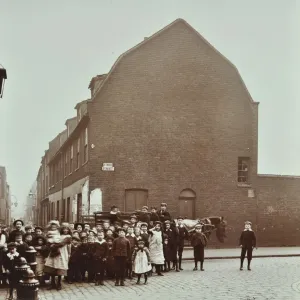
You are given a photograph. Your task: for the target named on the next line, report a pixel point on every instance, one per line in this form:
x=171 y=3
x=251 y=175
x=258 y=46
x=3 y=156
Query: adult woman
x=57 y=262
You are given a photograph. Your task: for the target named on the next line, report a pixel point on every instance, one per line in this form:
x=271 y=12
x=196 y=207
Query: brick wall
x=279 y=210
x=174 y=114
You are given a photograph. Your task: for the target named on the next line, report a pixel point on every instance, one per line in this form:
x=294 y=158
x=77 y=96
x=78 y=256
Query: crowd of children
x=113 y=249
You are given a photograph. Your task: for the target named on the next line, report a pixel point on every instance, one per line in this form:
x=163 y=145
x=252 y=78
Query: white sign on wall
x=108 y=167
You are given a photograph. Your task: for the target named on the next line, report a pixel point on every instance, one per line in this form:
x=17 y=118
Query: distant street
x=270 y=279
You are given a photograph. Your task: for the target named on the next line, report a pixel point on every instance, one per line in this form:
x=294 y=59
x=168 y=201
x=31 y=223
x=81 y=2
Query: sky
x=52 y=49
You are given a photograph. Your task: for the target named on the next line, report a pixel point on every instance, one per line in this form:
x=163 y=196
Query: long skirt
x=40 y=260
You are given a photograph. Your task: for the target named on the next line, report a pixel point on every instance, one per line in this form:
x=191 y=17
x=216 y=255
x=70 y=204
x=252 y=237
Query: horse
x=210 y=224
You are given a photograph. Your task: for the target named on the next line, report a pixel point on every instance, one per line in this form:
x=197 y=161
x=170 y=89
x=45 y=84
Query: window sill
x=244 y=185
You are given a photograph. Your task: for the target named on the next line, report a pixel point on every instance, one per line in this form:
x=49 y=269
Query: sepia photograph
x=149 y=150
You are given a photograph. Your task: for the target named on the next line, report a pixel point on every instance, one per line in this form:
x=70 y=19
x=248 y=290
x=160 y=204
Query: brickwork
x=173 y=114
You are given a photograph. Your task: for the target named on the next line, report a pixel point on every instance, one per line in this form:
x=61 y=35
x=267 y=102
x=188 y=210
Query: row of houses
x=172 y=121
x=5 y=198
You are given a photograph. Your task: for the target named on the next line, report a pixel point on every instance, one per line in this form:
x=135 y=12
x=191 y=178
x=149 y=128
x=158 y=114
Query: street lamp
x=3 y=76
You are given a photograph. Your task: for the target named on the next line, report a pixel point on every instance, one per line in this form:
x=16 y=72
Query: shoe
x=249 y=269
x=101 y=282
x=97 y=283
x=160 y=274
x=180 y=269
x=138 y=282
x=117 y=283
x=58 y=287
x=241 y=268
x=202 y=269
x=122 y=283
x=195 y=269
x=177 y=270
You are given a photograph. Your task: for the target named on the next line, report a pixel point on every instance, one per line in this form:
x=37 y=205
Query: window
x=243 y=169
x=85 y=153
x=71 y=159
x=78 y=154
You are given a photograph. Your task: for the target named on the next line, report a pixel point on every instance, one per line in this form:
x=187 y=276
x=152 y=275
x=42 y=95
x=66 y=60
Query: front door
x=187 y=208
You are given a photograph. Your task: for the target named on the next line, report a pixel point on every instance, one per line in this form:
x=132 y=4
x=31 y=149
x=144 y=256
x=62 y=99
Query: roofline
x=156 y=35
x=279 y=176
x=71 y=119
x=81 y=102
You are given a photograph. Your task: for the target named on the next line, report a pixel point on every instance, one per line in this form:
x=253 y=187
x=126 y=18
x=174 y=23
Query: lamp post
x=3 y=76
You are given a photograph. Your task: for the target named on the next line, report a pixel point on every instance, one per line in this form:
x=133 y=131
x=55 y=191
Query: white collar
x=247 y=229
x=12 y=256
x=113 y=213
x=132 y=235
x=101 y=242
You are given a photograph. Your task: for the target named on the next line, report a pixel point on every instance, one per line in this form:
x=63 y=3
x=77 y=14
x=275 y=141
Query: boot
x=139 y=279
x=196 y=266
x=249 y=261
x=52 y=284
x=146 y=278
x=169 y=267
x=58 y=283
x=201 y=266
x=180 y=260
x=242 y=261
x=158 y=270
x=117 y=282
x=122 y=282
x=177 y=269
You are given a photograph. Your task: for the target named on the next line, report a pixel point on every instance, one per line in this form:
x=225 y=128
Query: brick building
x=5 y=198
x=171 y=122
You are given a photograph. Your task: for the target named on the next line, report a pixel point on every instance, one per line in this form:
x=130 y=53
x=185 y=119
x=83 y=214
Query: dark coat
x=248 y=239
x=168 y=253
x=132 y=240
x=183 y=234
x=12 y=235
x=198 y=239
x=100 y=251
x=164 y=216
x=121 y=247
x=154 y=217
x=145 y=218
x=145 y=237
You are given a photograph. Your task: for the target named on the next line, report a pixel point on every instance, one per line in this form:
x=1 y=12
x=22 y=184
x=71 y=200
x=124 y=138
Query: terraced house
x=173 y=122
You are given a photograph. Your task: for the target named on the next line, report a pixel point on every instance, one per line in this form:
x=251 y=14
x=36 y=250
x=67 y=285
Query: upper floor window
x=71 y=158
x=243 y=169
x=66 y=163
x=78 y=154
x=85 y=153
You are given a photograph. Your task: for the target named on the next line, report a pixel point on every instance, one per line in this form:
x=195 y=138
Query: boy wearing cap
x=198 y=241
x=172 y=235
x=122 y=253
x=144 y=216
x=154 y=217
x=182 y=236
x=247 y=244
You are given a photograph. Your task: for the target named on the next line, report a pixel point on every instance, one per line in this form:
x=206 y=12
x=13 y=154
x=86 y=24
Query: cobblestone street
x=270 y=279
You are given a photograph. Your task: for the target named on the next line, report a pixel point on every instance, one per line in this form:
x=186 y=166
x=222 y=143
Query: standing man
x=172 y=235
x=247 y=244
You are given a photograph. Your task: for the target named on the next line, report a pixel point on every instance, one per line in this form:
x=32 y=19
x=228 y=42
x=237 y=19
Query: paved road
x=270 y=279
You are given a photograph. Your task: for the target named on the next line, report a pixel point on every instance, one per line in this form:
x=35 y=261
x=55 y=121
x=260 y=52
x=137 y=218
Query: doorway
x=187 y=199
x=135 y=199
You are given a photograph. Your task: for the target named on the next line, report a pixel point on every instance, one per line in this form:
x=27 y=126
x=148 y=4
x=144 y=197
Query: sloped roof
x=158 y=33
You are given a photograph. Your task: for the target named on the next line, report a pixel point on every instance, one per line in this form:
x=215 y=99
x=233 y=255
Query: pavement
x=270 y=279
x=235 y=252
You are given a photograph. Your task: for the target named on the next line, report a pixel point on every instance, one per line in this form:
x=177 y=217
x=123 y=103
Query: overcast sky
x=51 y=50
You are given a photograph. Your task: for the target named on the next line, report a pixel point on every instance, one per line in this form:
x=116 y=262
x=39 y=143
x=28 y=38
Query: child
x=110 y=263
x=121 y=250
x=133 y=221
x=144 y=216
x=126 y=225
x=247 y=244
x=109 y=234
x=137 y=233
x=38 y=231
x=9 y=263
x=28 y=238
x=145 y=234
x=198 y=241
x=141 y=261
x=74 y=267
x=90 y=263
x=83 y=261
x=28 y=229
x=57 y=261
x=99 y=258
x=133 y=241
x=22 y=247
x=40 y=245
x=167 y=255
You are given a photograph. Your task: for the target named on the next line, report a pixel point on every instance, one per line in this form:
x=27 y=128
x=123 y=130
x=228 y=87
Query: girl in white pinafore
x=156 y=247
x=141 y=261
x=57 y=262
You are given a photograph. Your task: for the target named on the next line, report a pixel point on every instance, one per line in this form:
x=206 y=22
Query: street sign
x=108 y=167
